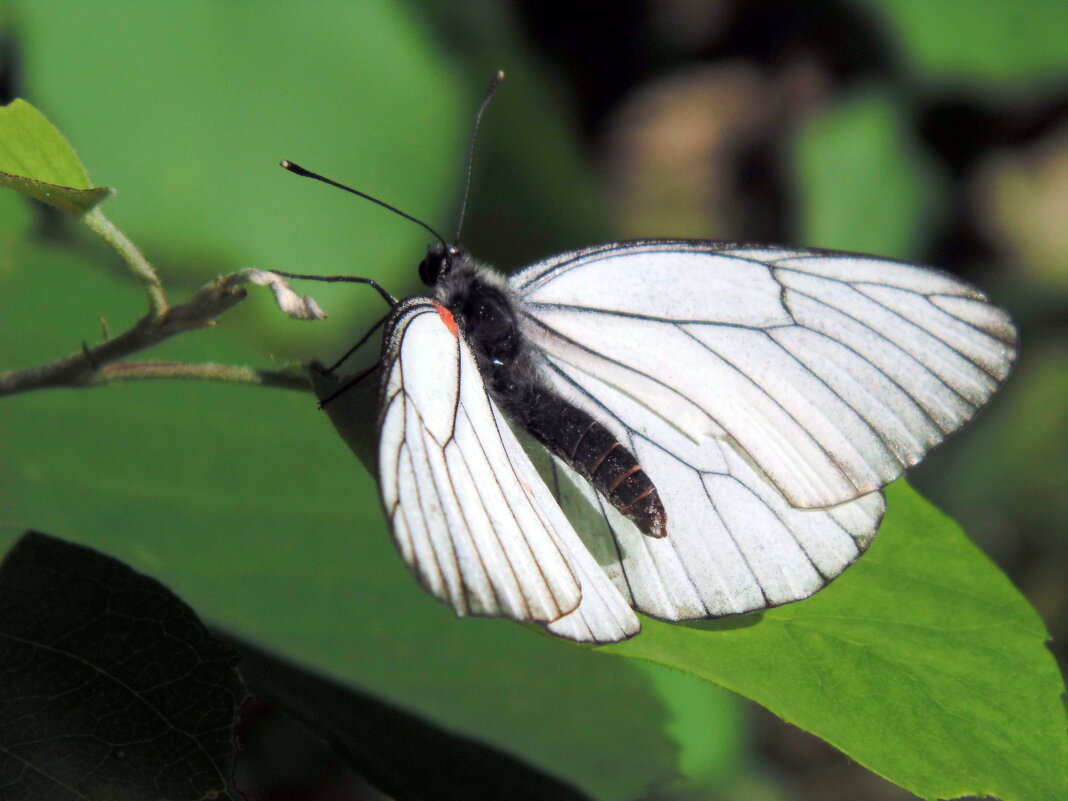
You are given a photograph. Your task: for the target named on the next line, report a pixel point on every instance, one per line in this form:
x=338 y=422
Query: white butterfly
x=721 y=420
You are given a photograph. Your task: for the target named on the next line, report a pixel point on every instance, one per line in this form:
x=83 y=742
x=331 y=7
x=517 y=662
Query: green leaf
x=863 y=184
x=36 y=160
x=994 y=44
x=922 y=662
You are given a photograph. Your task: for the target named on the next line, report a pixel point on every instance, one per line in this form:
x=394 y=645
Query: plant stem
x=89 y=366
x=136 y=371
x=139 y=265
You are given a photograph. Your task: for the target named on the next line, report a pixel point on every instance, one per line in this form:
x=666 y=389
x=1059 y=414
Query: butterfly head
x=437 y=264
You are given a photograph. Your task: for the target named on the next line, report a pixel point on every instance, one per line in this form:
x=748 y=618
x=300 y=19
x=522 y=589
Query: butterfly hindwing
x=733 y=544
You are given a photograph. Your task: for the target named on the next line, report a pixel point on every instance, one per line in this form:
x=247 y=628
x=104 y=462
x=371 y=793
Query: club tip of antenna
x=286 y=164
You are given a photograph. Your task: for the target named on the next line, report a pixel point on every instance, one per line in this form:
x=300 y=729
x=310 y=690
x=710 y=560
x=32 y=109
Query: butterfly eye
x=433 y=267
x=428 y=273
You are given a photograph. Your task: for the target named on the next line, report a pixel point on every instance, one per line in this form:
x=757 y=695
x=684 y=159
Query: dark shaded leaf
x=110 y=686
x=398 y=752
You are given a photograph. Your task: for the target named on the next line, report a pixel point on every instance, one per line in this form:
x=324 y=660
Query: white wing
x=733 y=544
x=829 y=372
x=469 y=514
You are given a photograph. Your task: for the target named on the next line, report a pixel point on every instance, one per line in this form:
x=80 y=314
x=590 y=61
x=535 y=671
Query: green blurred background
x=936 y=132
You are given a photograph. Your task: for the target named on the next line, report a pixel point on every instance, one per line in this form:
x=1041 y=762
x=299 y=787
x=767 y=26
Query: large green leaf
x=921 y=662
x=895 y=664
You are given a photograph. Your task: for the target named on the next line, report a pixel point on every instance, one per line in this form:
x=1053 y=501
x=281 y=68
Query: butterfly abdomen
x=595 y=454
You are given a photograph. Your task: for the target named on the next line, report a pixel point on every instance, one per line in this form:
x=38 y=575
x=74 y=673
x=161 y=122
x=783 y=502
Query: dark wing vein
x=737 y=547
x=428 y=524
x=915 y=401
x=886 y=339
x=511 y=512
x=569 y=307
x=634 y=370
x=871 y=426
x=927 y=331
x=832 y=458
x=977 y=299
x=467 y=523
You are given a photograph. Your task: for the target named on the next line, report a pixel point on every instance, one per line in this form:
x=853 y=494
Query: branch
x=90 y=366
x=135 y=371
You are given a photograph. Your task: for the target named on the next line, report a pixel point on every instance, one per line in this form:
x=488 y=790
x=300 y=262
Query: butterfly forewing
x=604 y=615
x=469 y=513
x=829 y=373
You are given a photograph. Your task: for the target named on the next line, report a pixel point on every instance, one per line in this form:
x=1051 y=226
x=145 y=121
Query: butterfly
x=716 y=419
x=712 y=422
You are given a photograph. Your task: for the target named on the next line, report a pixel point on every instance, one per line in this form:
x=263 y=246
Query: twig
x=134 y=371
x=90 y=366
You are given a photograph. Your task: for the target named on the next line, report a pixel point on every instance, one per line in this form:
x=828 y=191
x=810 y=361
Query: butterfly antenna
x=348 y=279
x=298 y=170
x=491 y=90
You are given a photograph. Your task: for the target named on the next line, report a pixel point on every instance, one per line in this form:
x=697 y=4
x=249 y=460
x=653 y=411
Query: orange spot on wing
x=448 y=319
